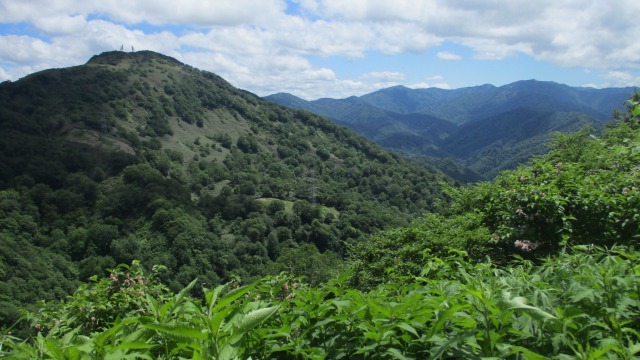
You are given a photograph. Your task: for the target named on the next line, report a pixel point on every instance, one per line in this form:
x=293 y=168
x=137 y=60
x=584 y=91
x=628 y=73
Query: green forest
x=212 y=224
x=135 y=156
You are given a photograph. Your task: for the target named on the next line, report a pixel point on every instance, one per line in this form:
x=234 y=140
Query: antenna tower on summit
x=312 y=188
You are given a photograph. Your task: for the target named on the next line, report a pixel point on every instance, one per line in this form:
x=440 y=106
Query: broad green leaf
x=116 y=355
x=443 y=317
x=367 y=349
x=408 y=328
x=375 y=336
x=177 y=331
x=217 y=320
x=136 y=346
x=211 y=296
x=250 y=320
x=233 y=295
x=397 y=354
x=519 y=303
x=528 y=354
x=634 y=348
x=177 y=300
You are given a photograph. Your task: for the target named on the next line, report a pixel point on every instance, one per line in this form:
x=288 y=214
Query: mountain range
x=155 y=211
x=485 y=128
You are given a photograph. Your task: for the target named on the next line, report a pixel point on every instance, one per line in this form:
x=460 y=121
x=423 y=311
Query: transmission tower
x=312 y=188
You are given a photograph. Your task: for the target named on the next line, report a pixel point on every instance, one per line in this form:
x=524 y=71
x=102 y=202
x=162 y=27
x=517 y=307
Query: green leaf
x=177 y=331
x=182 y=294
x=233 y=295
x=397 y=354
x=519 y=303
x=250 y=320
x=408 y=328
x=136 y=346
x=368 y=348
x=116 y=355
x=216 y=321
x=586 y=293
x=634 y=348
x=211 y=296
x=528 y=354
x=443 y=317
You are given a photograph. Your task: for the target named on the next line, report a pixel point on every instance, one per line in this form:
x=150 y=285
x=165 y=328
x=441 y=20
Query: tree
x=308 y=263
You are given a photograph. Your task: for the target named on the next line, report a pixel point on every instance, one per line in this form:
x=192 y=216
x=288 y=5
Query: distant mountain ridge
x=474 y=103
x=485 y=127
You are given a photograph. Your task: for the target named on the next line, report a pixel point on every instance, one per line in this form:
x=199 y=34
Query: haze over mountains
x=486 y=128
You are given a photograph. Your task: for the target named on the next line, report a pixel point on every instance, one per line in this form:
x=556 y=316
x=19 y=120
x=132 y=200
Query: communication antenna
x=312 y=188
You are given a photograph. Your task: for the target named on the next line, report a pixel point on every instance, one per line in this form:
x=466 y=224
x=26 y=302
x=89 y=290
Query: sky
x=338 y=48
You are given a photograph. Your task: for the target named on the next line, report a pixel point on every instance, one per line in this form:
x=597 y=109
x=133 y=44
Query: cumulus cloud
x=425 y=85
x=3 y=75
x=262 y=45
x=435 y=81
x=446 y=55
x=193 y=12
x=621 y=79
x=61 y=24
x=385 y=76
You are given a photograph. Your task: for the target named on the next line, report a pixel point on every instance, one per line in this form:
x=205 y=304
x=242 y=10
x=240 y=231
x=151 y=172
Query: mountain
x=138 y=156
x=475 y=103
x=393 y=130
x=486 y=128
x=504 y=141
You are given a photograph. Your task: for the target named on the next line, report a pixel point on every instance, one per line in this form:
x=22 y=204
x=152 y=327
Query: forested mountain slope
x=541 y=263
x=486 y=128
x=137 y=156
x=470 y=104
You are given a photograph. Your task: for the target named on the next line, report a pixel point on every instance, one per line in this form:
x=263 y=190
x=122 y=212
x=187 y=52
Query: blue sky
x=338 y=48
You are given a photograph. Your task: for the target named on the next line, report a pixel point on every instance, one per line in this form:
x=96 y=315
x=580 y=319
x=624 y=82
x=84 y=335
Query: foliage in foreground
x=584 y=305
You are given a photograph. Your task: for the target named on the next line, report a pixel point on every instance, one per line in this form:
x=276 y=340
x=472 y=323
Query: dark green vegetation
x=579 y=306
x=137 y=156
x=485 y=128
x=540 y=263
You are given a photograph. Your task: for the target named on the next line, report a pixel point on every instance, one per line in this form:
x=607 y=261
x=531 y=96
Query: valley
x=485 y=128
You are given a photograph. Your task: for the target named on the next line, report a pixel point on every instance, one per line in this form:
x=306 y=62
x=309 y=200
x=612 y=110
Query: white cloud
x=621 y=79
x=4 y=75
x=569 y=33
x=384 y=76
x=435 y=81
x=61 y=24
x=193 y=12
x=446 y=55
x=258 y=46
x=424 y=85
